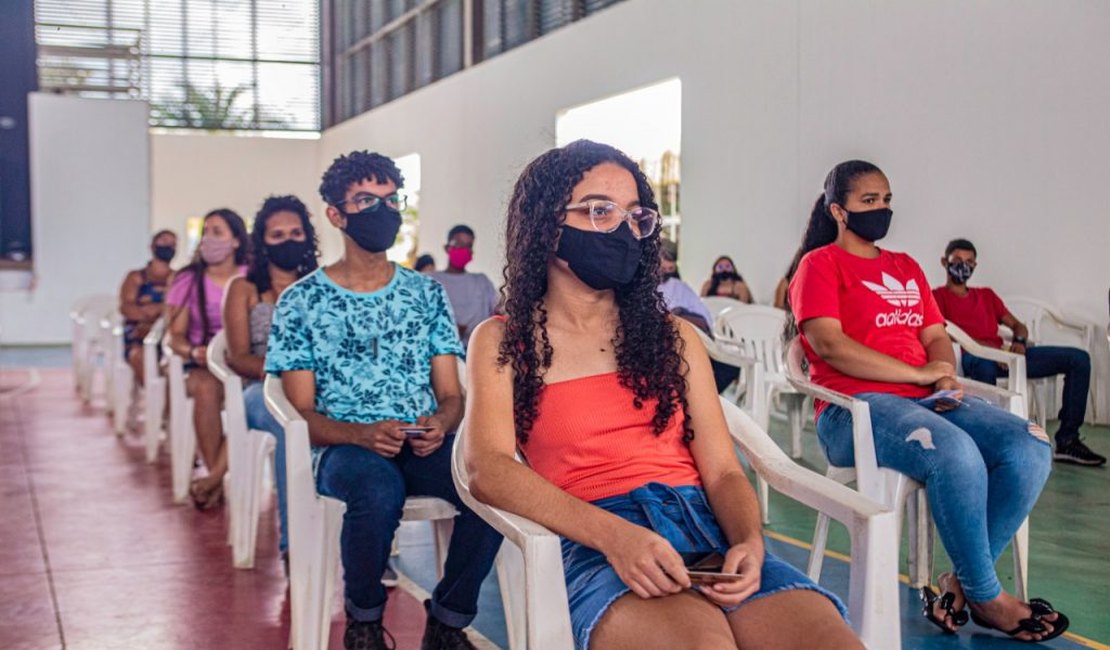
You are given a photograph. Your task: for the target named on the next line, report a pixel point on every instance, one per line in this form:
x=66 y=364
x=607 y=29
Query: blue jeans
x=1047 y=361
x=982 y=470
x=682 y=516
x=374 y=489
x=259 y=418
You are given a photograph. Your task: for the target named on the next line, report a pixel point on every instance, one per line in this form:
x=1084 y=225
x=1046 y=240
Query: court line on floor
x=786 y=539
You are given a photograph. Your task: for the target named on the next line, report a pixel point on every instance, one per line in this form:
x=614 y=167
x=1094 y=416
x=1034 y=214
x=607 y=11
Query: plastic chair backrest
x=235 y=409
x=757 y=331
x=718 y=304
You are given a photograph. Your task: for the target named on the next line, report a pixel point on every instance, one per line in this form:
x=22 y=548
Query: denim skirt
x=682 y=516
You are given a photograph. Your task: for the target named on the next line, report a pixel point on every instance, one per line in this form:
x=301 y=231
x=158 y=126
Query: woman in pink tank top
x=614 y=405
x=193 y=317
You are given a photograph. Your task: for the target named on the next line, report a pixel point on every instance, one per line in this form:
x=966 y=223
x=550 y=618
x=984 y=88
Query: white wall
x=989 y=117
x=90 y=199
x=193 y=173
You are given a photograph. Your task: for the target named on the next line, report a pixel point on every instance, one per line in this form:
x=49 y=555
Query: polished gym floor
x=94 y=554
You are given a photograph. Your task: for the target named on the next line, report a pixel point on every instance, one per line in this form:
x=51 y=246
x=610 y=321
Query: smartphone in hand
x=707 y=568
x=414 y=430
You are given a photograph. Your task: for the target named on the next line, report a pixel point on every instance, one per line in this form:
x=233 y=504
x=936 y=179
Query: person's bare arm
x=129 y=298
x=730 y=494
x=705 y=288
x=743 y=293
x=178 y=330
x=828 y=340
x=645 y=561
x=449 y=405
x=1020 y=332
x=780 y=293
x=236 y=317
x=382 y=437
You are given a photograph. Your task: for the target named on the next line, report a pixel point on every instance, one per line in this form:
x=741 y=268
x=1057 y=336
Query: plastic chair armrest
x=818 y=392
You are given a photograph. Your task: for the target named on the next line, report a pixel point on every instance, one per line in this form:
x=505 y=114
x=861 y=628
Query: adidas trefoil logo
x=899 y=295
x=892 y=291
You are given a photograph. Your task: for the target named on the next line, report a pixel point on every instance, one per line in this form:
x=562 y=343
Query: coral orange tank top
x=589 y=440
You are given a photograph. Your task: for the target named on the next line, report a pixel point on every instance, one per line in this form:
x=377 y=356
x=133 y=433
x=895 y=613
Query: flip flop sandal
x=930 y=598
x=1040 y=608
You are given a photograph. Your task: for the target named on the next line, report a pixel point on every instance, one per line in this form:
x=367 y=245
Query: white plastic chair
x=314 y=524
x=1047 y=326
x=154 y=390
x=80 y=338
x=893 y=489
x=183 y=437
x=121 y=384
x=1016 y=380
x=541 y=619
x=89 y=346
x=247 y=451
x=717 y=304
x=750 y=396
x=757 y=331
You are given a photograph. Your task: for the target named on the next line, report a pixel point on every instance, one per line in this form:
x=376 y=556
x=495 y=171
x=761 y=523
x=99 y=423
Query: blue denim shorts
x=682 y=516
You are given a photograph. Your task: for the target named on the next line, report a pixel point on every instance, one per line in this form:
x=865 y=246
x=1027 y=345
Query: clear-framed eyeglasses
x=606 y=216
x=365 y=201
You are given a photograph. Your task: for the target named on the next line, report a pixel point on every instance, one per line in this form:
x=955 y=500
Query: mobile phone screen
x=414 y=430
x=706 y=568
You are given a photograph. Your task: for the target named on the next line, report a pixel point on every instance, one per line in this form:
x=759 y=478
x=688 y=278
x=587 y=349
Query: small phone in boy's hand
x=415 y=430
x=707 y=568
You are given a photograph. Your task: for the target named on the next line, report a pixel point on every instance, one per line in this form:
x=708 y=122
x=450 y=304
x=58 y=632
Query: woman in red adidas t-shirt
x=871 y=329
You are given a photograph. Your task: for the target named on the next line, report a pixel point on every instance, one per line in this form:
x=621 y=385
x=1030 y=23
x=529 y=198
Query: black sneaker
x=367 y=635
x=1077 y=453
x=438 y=636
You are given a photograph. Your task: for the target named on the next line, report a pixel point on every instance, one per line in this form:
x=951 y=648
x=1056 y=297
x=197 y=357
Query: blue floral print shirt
x=371 y=352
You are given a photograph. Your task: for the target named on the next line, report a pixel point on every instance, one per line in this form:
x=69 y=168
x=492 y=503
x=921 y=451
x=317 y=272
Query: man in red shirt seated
x=979 y=311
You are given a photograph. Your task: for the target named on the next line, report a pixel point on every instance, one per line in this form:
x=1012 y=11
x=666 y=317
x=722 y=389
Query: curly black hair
x=355 y=167
x=648 y=346
x=259 y=272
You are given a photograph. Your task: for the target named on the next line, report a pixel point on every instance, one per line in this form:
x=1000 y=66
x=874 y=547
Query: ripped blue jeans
x=981 y=466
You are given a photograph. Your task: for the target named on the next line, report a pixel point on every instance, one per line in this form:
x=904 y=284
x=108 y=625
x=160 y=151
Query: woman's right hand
x=934 y=371
x=646 y=562
x=198 y=354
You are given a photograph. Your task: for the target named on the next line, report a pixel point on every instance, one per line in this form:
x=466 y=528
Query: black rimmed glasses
x=367 y=202
x=606 y=216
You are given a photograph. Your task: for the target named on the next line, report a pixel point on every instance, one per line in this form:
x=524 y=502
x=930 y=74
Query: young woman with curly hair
x=284 y=244
x=612 y=402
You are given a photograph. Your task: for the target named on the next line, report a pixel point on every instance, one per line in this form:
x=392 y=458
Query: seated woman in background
x=141 y=298
x=726 y=282
x=612 y=401
x=193 y=313
x=284 y=245
x=871 y=328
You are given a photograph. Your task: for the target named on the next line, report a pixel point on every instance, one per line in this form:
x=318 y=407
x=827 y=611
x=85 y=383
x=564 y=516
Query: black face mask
x=960 y=272
x=165 y=253
x=374 y=229
x=289 y=255
x=870 y=225
x=601 y=260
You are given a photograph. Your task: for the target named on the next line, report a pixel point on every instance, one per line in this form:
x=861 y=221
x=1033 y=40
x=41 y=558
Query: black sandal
x=1040 y=609
x=930 y=598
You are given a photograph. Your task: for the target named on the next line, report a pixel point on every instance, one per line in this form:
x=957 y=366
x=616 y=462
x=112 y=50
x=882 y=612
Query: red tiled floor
x=130 y=568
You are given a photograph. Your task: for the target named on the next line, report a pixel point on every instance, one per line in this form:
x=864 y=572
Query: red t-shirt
x=978 y=313
x=883 y=303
